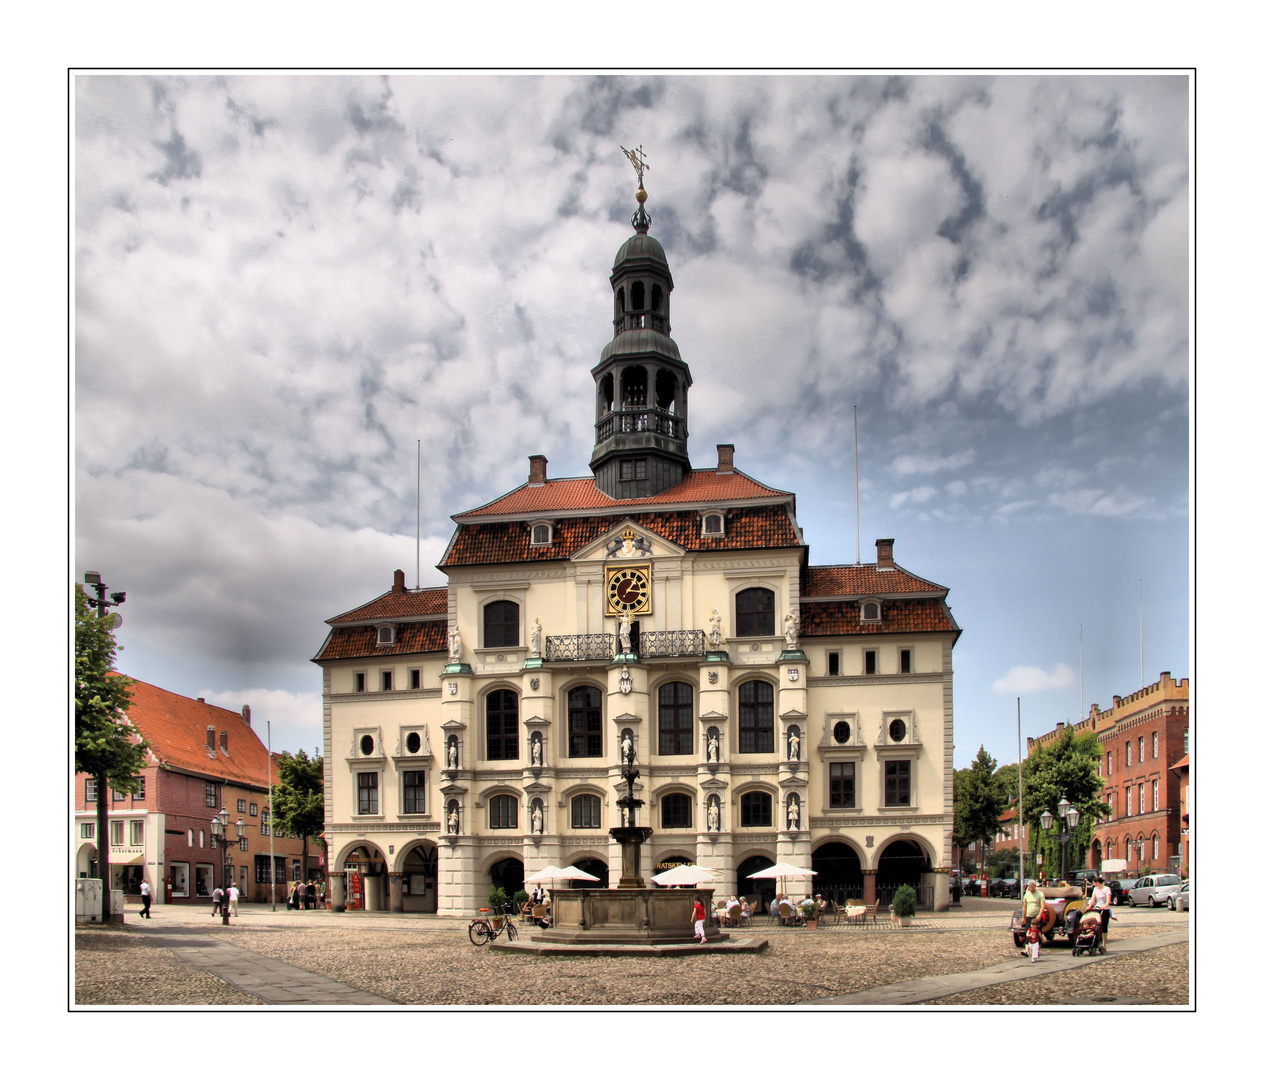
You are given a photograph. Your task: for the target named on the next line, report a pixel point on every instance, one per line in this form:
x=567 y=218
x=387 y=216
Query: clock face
x=628 y=589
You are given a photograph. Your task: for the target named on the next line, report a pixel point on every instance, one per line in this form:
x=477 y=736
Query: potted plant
x=810 y=913
x=520 y=899
x=496 y=900
x=903 y=905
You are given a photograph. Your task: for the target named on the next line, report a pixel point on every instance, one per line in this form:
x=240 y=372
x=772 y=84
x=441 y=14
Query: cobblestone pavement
x=413 y=960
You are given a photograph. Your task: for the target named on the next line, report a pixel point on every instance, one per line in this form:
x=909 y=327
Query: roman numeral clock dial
x=628 y=590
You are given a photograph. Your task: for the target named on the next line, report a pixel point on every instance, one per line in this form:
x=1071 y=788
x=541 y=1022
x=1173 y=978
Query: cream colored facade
x=779 y=712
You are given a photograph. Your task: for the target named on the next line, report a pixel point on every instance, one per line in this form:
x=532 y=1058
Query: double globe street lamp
x=1070 y=818
x=219 y=832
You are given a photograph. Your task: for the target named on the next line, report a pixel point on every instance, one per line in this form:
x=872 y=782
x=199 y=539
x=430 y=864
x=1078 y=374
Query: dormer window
x=712 y=523
x=541 y=533
x=870 y=611
x=386 y=635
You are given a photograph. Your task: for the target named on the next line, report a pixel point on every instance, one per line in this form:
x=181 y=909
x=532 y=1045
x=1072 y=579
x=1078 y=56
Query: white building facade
x=779 y=712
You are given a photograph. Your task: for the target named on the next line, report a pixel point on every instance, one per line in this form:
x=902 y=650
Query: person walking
x=145 y=898
x=217 y=900
x=233 y=894
x=289 y=898
x=1033 y=905
x=311 y=895
x=1099 y=901
x=699 y=920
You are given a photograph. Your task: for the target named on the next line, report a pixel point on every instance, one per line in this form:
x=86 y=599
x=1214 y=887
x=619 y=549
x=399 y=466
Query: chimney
x=885 y=558
x=201 y=701
x=539 y=470
x=398 y=588
x=725 y=451
x=245 y=714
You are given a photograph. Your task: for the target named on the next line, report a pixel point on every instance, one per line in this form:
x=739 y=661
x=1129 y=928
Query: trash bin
x=983 y=884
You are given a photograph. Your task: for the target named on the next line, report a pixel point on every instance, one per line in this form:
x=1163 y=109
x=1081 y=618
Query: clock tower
x=641 y=446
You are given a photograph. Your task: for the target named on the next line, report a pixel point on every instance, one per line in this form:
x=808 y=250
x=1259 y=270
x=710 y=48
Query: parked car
x=1120 y=889
x=1153 y=889
x=1006 y=886
x=1182 y=899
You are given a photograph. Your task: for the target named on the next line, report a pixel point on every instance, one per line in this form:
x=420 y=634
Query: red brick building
x=202 y=758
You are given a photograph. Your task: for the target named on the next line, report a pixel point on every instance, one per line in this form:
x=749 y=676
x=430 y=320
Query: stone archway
x=902 y=862
x=761 y=892
x=418 y=870
x=366 y=879
x=508 y=874
x=597 y=868
x=839 y=872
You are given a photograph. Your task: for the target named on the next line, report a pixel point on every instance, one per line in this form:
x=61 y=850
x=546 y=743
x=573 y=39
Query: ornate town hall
x=778 y=712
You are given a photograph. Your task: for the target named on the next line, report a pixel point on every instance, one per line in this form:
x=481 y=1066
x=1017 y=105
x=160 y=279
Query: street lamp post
x=219 y=830
x=1070 y=818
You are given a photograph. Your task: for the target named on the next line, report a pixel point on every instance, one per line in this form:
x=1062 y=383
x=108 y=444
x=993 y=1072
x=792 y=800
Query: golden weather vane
x=637 y=157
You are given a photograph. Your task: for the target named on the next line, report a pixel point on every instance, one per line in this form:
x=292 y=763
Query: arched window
x=754 y=718
x=585 y=812
x=502 y=726
x=677 y=811
x=504 y=811
x=675 y=718
x=755 y=610
x=584 y=709
x=756 y=810
x=619 y=301
x=500 y=625
x=638 y=295
x=656 y=298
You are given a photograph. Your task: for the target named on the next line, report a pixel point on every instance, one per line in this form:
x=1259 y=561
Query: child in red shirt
x=699 y=921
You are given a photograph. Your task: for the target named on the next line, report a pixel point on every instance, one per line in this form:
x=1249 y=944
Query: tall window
x=1155 y=804
x=265 y=824
x=584 y=706
x=842 y=785
x=263 y=872
x=414 y=793
x=677 y=810
x=906 y=661
x=137 y=831
x=504 y=812
x=1154 y=746
x=1156 y=847
x=140 y=791
x=1128 y=752
x=675 y=718
x=899 y=787
x=1127 y=802
x=89 y=791
x=366 y=789
x=211 y=794
x=502 y=726
x=1141 y=798
x=754 y=718
x=756 y=810
x=1110 y=762
x=755 y=611
x=500 y=625
x=1141 y=750
x=585 y=812
x=116 y=834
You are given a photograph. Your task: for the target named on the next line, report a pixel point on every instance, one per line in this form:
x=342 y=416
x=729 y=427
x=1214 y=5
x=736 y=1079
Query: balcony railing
x=579 y=647
x=672 y=643
x=633 y=419
x=648 y=321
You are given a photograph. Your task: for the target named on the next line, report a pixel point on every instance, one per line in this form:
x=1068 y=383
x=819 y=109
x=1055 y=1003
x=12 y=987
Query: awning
x=127 y=860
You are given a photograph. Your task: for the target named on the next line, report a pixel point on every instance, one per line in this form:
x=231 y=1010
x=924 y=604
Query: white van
x=1154 y=889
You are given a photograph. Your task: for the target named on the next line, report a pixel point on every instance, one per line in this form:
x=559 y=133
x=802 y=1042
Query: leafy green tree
x=1066 y=767
x=298 y=797
x=1007 y=781
x=978 y=802
x=107 y=747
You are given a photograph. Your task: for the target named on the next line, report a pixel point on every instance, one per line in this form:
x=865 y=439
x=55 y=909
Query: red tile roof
x=403 y=605
x=1182 y=764
x=509 y=541
x=864 y=580
x=827 y=618
x=350 y=642
x=702 y=486
x=176 y=729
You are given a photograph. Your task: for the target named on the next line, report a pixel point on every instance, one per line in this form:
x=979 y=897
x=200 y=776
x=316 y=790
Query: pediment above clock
x=615 y=545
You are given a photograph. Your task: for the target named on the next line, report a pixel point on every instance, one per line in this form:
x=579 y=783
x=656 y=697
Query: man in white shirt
x=145 y=898
x=233 y=894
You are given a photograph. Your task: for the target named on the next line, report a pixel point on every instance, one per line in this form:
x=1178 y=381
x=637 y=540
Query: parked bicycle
x=489 y=926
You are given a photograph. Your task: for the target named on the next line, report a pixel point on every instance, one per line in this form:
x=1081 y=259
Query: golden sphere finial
x=641 y=196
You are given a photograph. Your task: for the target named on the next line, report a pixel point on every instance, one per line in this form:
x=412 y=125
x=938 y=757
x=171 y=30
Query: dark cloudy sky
x=282 y=282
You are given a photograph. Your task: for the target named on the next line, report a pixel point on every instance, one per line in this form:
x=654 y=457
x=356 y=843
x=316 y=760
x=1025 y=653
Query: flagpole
x=271 y=825
x=855 y=418
x=1022 y=883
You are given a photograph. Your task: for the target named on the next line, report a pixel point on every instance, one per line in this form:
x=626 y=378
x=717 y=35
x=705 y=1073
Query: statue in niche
x=626 y=752
x=792 y=811
x=455 y=647
x=452 y=752
x=537 y=819
x=454 y=821
x=713 y=815
x=791 y=630
x=794 y=745
x=625 y=633
x=537 y=752
x=623 y=816
x=537 y=637
x=713 y=747
x=715 y=637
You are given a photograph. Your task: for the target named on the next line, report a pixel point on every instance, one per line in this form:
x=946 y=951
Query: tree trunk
x=103 y=847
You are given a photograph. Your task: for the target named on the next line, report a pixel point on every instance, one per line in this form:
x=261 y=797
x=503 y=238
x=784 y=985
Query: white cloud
x=1035 y=680
x=906 y=464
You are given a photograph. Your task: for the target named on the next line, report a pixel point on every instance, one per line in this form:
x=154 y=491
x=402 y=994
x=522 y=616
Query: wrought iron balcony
x=637 y=418
x=579 y=647
x=672 y=643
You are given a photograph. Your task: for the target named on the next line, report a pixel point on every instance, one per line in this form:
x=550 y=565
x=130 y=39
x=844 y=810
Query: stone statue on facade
x=455 y=648
x=792 y=630
x=713 y=815
x=454 y=822
x=537 y=752
x=715 y=636
x=625 y=633
x=452 y=753
x=792 y=811
x=713 y=747
x=626 y=752
x=794 y=746
x=537 y=637
x=537 y=819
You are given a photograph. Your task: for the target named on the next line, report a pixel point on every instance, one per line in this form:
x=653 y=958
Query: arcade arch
x=418 y=865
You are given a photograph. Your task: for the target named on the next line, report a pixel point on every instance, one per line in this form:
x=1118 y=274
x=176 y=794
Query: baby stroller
x=1088 y=936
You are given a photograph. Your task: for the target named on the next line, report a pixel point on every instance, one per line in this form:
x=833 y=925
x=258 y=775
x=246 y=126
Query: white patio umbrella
x=560 y=873
x=783 y=870
x=685 y=875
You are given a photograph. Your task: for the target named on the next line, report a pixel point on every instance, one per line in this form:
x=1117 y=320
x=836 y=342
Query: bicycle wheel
x=512 y=931
x=480 y=932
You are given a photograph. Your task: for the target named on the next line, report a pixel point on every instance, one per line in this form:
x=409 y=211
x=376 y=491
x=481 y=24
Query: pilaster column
x=338 y=888
x=396 y=890
x=871 y=885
